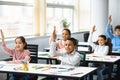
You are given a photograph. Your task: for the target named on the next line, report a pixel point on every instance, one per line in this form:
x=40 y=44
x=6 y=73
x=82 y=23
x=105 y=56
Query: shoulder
x=76 y=53
x=105 y=47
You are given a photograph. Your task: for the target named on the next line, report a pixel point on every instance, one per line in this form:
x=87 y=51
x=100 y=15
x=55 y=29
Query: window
x=57 y=11
x=16 y=17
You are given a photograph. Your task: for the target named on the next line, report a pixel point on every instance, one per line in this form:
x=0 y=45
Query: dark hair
x=67 y=30
x=117 y=27
x=75 y=41
x=108 y=43
x=103 y=36
x=23 y=40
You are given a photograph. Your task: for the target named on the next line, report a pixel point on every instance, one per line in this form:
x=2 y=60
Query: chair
x=86 y=35
x=33 y=48
x=82 y=58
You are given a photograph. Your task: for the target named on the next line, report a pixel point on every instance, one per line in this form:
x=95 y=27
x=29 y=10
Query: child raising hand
x=60 y=44
x=19 y=54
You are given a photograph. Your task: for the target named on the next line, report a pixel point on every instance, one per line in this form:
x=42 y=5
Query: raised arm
x=6 y=50
x=91 y=32
x=53 y=36
x=109 y=19
x=108 y=28
x=90 y=37
x=2 y=37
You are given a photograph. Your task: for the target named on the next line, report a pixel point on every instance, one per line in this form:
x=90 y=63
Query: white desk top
x=43 y=54
x=46 y=69
x=80 y=48
x=116 y=52
x=83 y=43
x=109 y=58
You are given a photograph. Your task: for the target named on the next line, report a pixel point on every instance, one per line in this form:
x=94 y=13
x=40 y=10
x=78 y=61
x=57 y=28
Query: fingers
x=54 y=34
x=109 y=19
x=54 y=31
x=93 y=29
x=2 y=35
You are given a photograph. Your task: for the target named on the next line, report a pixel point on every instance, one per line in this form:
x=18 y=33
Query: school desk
x=108 y=60
x=84 y=47
x=48 y=70
x=117 y=53
x=46 y=56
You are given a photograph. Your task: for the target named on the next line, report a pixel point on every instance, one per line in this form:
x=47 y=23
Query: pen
x=95 y=56
x=45 y=69
x=76 y=73
x=39 y=67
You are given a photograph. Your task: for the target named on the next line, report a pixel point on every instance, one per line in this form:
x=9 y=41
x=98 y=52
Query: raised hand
x=2 y=36
x=109 y=19
x=93 y=29
x=54 y=34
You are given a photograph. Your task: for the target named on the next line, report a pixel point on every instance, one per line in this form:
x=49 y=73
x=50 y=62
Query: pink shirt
x=18 y=56
x=60 y=44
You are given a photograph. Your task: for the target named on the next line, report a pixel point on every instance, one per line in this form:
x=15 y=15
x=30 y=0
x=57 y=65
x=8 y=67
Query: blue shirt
x=115 y=39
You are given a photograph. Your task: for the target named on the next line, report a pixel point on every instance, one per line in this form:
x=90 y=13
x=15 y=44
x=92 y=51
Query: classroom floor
x=3 y=76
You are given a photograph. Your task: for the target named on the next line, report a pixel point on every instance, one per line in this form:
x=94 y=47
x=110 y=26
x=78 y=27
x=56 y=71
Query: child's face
x=117 y=32
x=101 y=41
x=69 y=46
x=19 y=44
x=65 y=35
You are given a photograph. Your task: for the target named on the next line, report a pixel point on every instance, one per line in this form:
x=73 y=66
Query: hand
x=10 y=62
x=2 y=36
x=109 y=19
x=54 y=34
x=93 y=29
x=56 y=57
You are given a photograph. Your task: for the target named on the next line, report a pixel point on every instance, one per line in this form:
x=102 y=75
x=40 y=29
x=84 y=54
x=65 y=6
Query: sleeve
x=57 y=42
x=107 y=31
x=50 y=40
x=117 y=48
x=53 y=51
x=106 y=51
x=26 y=57
x=8 y=50
x=71 y=61
x=90 y=41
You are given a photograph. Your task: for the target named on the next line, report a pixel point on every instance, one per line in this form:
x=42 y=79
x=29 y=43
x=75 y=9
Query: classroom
x=42 y=22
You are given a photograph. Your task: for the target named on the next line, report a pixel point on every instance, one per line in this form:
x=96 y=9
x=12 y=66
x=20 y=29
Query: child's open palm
x=93 y=29
x=54 y=34
x=2 y=36
x=109 y=19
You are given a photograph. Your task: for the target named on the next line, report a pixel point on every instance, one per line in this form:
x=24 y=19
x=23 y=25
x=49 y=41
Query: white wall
x=99 y=14
x=114 y=10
